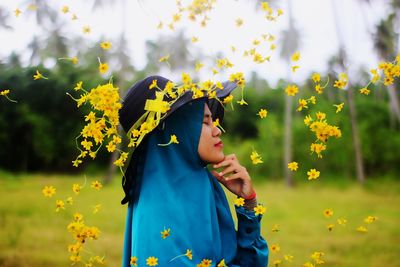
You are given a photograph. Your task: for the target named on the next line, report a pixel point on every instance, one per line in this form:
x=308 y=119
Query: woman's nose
x=216 y=131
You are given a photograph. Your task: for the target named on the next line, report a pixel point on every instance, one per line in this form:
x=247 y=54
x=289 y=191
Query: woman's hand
x=234 y=176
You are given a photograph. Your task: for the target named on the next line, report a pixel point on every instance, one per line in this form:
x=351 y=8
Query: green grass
x=33 y=234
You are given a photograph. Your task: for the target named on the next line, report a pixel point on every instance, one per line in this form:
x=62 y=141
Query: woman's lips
x=219 y=144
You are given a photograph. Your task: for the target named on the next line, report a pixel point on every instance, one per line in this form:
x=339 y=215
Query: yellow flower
x=308 y=264
x=38 y=76
x=198 y=66
x=173 y=140
x=32 y=7
x=365 y=91
x=328 y=213
x=362 y=229
x=205 y=263
x=288 y=258
x=96 y=185
x=217 y=124
x=318 y=148
x=291 y=90
x=86 y=29
x=239 y=201
x=188 y=254
x=76 y=162
x=165 y=233
x=242 y=102
x=105 y=45
x=152 y=261
x=239 y=22
x=302 y=104
x=133 y=261
x=255 y=158
x=275 y=228
x=70 y=201
x=195 y=39
x=342 y=82
x=312 y=99
x=222 y=263
x=316 y=256
x=164 y=58
x=342 y=221
x=78 y=86
x=262 y=113
x=111 y=147
x=121 y=160
x=17 y=12
x=277 y=262
x=96 y=208
x=103 y=68
x=319 y=89
x=86 y=144
x=316 y=77
x=153 y=84
x=228 y=99
x=48 y=191
x=259 y=209
x=74 y=60
x=295 y=68
x=65 y=9
x=75 y=258
x=313 y=174
x=4 y=92
x=370 y=219
x=293 y=166
x=307 y=120
x=176 y=17
x=77 y=217
x=320 y=115
x=296 y=56
x=60 y=205
x=275 y=248
x=375 y=76
x=330 y=227
x=339 y=107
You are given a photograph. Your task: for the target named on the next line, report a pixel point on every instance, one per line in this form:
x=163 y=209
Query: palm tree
x=125 y=69
x=3 y=19
x=386 y=43
x=352 y=108
x=289 y=44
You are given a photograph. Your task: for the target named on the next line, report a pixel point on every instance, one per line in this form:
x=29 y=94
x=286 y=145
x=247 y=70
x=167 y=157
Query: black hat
x=154 y=98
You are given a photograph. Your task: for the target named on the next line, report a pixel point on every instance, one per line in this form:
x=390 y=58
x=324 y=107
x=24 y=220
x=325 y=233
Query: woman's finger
x=223 y=163
x=233 y=176
x=229 y=169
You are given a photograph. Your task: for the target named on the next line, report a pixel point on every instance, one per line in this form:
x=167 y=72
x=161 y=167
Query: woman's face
x=210 y=145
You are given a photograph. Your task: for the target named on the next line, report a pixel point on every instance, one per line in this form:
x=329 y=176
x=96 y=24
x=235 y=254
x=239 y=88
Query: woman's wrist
x=250 y=204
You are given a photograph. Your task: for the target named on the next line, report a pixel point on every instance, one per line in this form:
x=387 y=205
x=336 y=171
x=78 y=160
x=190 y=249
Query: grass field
x=33 y=234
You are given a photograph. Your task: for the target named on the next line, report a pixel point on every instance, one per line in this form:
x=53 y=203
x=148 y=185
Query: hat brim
x=134 y=102
x=216 y=108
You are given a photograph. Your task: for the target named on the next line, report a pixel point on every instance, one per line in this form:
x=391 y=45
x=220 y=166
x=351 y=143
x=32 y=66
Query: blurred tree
x=125 y=71
x=352 y=108
x=386 y=44
x=289 y=45
x=4 y=19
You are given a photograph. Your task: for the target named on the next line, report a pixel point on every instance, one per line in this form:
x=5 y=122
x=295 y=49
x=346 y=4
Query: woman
x=178 y=214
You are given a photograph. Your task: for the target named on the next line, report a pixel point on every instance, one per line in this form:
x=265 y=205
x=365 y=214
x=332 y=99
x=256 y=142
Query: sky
x=139 y=20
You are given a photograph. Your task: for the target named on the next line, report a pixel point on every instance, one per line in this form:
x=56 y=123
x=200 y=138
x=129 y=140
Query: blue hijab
x=176 y=191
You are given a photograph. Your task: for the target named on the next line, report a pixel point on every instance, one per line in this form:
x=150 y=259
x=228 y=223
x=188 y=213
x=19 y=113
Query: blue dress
x=175 y=191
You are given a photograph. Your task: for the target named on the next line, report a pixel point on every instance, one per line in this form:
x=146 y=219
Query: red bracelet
x=252 y=196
